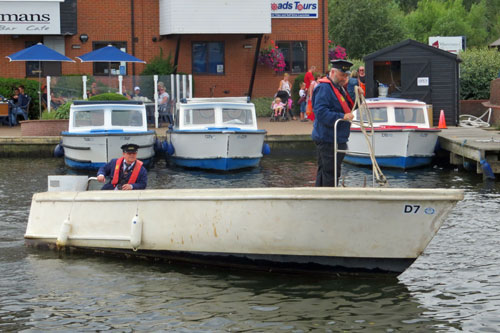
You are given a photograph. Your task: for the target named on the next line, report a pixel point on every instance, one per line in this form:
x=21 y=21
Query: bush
x=263 y=106
x=478 y=68
x=108 y=97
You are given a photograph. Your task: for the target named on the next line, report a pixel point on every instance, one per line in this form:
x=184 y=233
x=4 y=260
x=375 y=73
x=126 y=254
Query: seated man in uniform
x=127 y=172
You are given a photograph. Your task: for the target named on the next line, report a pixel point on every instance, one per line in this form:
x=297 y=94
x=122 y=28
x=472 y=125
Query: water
x=453 y=286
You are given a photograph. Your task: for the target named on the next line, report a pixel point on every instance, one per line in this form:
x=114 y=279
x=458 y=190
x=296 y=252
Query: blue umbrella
x=108 y=54
x=38 y=52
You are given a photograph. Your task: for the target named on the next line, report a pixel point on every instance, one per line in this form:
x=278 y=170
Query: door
x=416 y=79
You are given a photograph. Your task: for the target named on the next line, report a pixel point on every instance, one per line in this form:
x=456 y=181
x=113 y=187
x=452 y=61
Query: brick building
x=217 y=41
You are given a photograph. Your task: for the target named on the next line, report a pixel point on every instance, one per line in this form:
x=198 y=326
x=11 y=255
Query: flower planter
x=44 y=127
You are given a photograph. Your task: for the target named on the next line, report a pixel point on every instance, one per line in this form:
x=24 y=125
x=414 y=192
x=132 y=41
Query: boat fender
x=136 y=233
x=169 y=148
x=158 y=146
x=266 y=150
x=487 y=171
x=59 y=151
x=62 y=239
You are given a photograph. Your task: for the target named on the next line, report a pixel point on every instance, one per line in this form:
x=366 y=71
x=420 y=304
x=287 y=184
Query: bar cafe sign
x=30 y=18
x=294 y=9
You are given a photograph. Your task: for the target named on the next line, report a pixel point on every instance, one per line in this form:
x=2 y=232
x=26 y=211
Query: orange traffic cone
x=442 y=121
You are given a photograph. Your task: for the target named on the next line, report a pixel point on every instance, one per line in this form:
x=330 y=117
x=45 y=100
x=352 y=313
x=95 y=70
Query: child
x=277 y=107
x=302 y=101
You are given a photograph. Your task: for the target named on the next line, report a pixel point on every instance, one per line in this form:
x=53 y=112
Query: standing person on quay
x=331 y=102
x=127 y=172
x=309 y=76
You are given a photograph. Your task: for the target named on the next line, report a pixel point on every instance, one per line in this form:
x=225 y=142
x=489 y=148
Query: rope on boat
x=364 y=113
x=468 y=120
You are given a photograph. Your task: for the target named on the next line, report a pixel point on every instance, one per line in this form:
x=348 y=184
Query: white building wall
x=215 y=17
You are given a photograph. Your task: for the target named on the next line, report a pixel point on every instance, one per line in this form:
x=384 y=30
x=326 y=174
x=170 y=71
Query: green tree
x=364 y=26
x=448 y=18
x=159 y=65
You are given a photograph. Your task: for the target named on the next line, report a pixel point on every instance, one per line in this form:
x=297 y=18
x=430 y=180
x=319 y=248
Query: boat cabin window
x=126 y=118
x=409 y=115
x=88 y=118
x=379 y=115
x=199 y=116
x=237 y=116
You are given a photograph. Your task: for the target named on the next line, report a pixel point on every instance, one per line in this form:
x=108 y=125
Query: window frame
x=118 y=45
x=290 y=61
x=207 y=60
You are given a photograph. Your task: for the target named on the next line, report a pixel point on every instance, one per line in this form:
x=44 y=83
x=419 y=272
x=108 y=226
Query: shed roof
x=496 y=43
x=414 y=43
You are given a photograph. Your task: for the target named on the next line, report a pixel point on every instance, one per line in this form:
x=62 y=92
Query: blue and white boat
x=97 y=130
x=216 y=133
x=403 y=137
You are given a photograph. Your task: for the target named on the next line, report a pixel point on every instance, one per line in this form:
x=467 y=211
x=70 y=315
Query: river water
x=453 y=286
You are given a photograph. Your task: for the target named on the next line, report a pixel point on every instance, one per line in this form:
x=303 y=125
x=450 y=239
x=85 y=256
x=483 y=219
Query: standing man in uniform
x=330 y=103
x=127 y=172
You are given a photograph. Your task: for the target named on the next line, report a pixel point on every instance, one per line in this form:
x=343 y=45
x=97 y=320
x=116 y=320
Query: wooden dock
x=471 y=145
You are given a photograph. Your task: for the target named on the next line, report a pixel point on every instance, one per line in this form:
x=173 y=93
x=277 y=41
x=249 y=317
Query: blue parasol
x=38 y=52
x=108 y=54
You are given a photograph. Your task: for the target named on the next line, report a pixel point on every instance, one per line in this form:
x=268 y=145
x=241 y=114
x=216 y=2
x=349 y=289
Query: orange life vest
x=345 y=107
x=363 y=86
x=133 y=176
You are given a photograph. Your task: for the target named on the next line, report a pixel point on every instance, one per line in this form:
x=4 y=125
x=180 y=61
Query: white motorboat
x=215 y=133
x=402 y=137
x=280 y=229
x=97 y=130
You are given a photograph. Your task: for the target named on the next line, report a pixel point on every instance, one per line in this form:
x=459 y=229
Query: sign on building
x=294 y=9
x=30 y=17
x=452 y=44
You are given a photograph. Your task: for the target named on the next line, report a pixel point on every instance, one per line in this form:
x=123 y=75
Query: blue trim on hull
x=223 y=164
x=398 y=162
x=81 y=165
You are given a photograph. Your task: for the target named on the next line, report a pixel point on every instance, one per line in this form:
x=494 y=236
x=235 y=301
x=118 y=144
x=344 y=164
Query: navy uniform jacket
x=327 y=110
x=108 y=170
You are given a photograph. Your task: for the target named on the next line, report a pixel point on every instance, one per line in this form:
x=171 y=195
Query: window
x=126 y=118
x=237 y=116
x=110 y=68
x=208 y=58
x=89 y=118
x=295 y=54
x=409 y=115
x=199 y=116
x=52 y=68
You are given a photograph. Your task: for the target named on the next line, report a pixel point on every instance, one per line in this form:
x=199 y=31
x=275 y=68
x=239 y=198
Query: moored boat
x=97 y=130
x=403 y=137
x=281 y=229
x=215 y=133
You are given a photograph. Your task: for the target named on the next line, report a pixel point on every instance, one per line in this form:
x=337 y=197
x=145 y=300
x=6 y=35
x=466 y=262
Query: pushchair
x=283 y=95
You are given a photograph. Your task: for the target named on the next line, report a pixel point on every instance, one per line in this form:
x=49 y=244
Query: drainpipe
x=254 y=69
x=323 y=33
x=176 y=59
x=132 y=26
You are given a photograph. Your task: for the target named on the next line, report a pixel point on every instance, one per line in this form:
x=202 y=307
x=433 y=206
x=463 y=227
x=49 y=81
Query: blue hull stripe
x=92 y=166
x=217 y=163
x=398 y=162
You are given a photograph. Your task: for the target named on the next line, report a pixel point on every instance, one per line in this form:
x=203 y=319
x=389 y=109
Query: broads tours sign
x=294 y=9
x=30 y=18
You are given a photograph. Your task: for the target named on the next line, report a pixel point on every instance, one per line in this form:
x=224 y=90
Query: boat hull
x=93 y=150
x=402 y=149
x=316 y=229
x=217 y=150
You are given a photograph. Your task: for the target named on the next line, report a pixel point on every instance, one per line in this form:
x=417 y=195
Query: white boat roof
x=394 y=101
x=243 y=99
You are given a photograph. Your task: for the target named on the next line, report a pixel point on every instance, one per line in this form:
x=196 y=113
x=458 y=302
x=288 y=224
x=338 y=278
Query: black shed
x=414 y=70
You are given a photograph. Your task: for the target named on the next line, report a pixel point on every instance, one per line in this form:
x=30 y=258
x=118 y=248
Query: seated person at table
x=163 y=95
x=137 y=92
x=19 y=108
x=127 y=172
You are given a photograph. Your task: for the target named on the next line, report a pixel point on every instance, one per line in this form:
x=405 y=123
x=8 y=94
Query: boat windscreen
x=126 y=118
x=379 y=115
x=237 y=116
x=409 y=115
x=199 y=116
x=86 y=118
